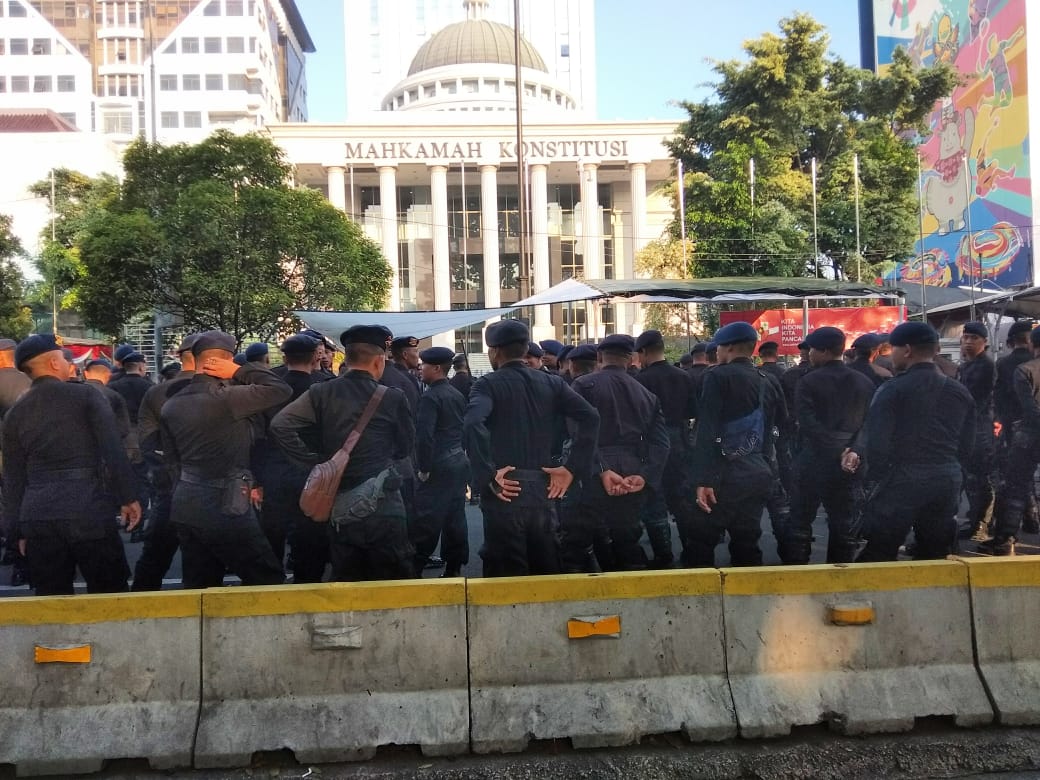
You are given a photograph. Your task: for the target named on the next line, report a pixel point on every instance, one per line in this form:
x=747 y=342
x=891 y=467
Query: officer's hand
x=706 y=498
x=997 y=429
x=21 y=547
x=220 y=368
x=422 y=476
x=613 y=483
x=505 y=489
x=850 y=461
x=560 y=479
x=256 y=497
x=131 y=514
x=634 y=483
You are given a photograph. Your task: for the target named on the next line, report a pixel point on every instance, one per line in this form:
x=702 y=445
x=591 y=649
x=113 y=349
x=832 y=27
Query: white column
x=489 y=233
x=592 y=220
x=337 y=186
x=637 y=181
x=388 y=209
x=441 y=265
x=540 y=247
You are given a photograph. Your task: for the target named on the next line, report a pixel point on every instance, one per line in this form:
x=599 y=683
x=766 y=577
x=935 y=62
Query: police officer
x=63 y=482
x=831 y=406
x=676 y=391
x=738 y=409
x=768 y=352
x=442 y=468
x=258 y=353
x=919 y=432
x=461 y=380
x=534 y=356
x=551 y=349
x=789 y=383
x=404 y=351
x=160 y=538
x=977 y=372
x=1008 y=412
x=96 y=373
x=13 y=383
x=510 y=432
x=867 y=347
x=207 y=434
x=133 y=383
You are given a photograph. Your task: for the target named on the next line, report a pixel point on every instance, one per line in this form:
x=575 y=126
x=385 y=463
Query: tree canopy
x=787 y=104
x=212 y=234
x=15 y=318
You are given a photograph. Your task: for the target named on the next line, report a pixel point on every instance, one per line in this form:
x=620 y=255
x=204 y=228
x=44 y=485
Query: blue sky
x=649 y=52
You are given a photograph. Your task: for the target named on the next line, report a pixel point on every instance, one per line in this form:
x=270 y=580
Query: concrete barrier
x=601 y=659
x=1005 y=598
x=333 y=671
x=865 y=648
x=90 y=678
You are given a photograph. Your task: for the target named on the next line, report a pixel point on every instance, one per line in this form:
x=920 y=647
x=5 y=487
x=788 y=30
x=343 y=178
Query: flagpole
x=815 y=228
x=920 y=220
x=682 y=233
x=855 y=173
x=751 y=179
x=971 y=235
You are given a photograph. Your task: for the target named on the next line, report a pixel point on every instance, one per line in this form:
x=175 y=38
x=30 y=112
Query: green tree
x=787 y=104
x=15 y=317
x=213 y=234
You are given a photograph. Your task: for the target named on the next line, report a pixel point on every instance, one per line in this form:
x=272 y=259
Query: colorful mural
x=976 y=192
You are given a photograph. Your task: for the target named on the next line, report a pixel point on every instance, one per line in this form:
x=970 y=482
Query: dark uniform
x=633 y=441
x=133 y=388
x=978 y=376
x=512 y=419
x=831 y=405
x=1008 y=412
x=375 y=545
x=207 y=434
x=127 y=433
x=65 y=475
x=440 y=499
x=462 y=381
x=13 y=383
x=919 y=431
x=738 y=409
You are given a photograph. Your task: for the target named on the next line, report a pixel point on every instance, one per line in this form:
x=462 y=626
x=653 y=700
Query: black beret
x=649 y=338
x=1020 y=326
x=123 y=350
x=7 y=344
x=403 y=342
x=826 y=339
x=171 y=368
x=617 y=342
x=214 y=339
x=187 y=343
x=735 y=333
x=255 y=351
x=374 y=335
x=913 y=334
x=300 y=344
x=686 y=359
x=240 y=359
x=505 y=332
x=459 y=360
x=975 y=329
x=803 y=345
x=100 y=361
x=868 y=341
x=438 y=356
x=565 y=352
x=698 y=348
x=551 y=346
x=533 y=350
x=135 y=357
x=313 y=334
x=711 y=346
x=583 y=352
x=35 y=345
x=768 y=346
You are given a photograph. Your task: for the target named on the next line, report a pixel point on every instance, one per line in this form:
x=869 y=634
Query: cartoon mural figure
x=902 y=9
x=946 y=195
x=988 y=173
x=978 y=13
x=947 y=40
x=997 y=68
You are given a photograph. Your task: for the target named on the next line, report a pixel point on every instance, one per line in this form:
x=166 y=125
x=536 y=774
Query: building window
x=234 y=8
x=3 y=80
x=571 y=264
x=14 y=8
x=69 y=117
x=191 y=82
x=212 y=8
x=66 y=83
x=189 y=45
x=214 y=82
x=19 y=83
x=193 y=119
x=168 y=119
x=252 y=45
x=168 y=82
x=3 y=43
x=212 y=45
x=120 y=122
x=236 y=45
x=41 y=46
x=236 y=81
x=19 y=46
x=565 y=50
x=42 y=84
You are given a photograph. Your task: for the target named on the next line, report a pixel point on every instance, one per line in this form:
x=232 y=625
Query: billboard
x=784 y=326
x=976 y=189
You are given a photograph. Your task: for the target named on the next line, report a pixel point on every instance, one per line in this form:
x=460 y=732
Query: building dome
x=475 y=41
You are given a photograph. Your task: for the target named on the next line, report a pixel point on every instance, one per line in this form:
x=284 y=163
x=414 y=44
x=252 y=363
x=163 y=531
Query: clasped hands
x=560 y=478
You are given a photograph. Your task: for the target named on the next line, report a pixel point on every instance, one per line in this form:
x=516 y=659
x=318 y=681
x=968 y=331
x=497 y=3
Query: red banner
x=784 y=326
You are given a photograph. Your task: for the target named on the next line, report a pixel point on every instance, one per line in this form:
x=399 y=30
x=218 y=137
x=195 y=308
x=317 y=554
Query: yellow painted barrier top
x=593 y=587
x=1023 y=572
x=849 y=578
x=332 y=597
x=42 y=610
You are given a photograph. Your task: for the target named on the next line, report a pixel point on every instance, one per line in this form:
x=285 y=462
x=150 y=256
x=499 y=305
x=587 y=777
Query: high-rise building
x=383 y=38
x=172 y=70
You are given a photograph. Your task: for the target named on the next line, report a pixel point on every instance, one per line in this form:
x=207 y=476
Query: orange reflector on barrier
x=857 y=614
x=596 y=625
x=62 y=655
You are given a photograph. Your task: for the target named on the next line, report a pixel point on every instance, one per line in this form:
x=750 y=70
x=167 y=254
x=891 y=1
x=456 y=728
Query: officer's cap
x=686 y=359
x=768 y=346
x=533 y=350
x=401 y=343
x=300 y=344
x=506 y=332
x=649 y=338
x=374 y=335
x=459 y=360
x=618 y=342
x=437 y=356
x=33 y=346
x=214 y=339
x=101 y=361
x=240 y=359
x=913 y=334
x=123 y=350
x=134 y=357
x=583 y=352
x=803 y=345
x=826 y=339
x=1034 y=338
x=187 y=343
x=975 y=329
x=868 y=341
x=256 y=351
x=551 y=347
x=1020 y=326
x=735 y=333
x=170 y=369
x=7 y=344
x=565 y=352
x=698 y=348
x=711 y=347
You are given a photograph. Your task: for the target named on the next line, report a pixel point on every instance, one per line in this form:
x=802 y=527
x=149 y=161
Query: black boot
x=659 y=532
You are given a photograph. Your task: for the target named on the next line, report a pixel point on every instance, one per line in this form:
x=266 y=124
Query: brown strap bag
x=319 y=492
